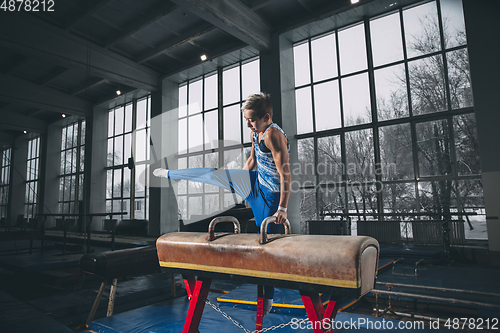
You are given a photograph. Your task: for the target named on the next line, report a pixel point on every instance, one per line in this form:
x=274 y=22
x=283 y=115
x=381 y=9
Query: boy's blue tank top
x=268 y=175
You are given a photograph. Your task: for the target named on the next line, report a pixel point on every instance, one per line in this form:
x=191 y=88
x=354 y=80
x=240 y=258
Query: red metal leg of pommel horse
x=316 y=313
x=260 y=307
x=197 y=291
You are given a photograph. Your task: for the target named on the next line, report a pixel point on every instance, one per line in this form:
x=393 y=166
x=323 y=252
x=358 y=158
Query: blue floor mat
x=286 y=301
x=169 y=316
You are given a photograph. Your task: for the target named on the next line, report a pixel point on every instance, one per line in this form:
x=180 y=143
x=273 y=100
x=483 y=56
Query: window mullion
x=77 y=166
x=203 y=138
x=221 y=130
x=405 y=57
x=443 y=50
x=375 y=127
x=133 y=171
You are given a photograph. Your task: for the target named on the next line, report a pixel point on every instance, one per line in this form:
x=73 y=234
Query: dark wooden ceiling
x=78 y=55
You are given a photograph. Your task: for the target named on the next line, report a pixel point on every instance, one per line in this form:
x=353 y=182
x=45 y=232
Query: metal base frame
x=198 y=289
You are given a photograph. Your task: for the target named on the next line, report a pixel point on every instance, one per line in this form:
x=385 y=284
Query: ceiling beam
x=171 y=43
x=305 y=5
x=53 y=75
x=3 y=105
x=155 y=14
x=33 y=37
x=116 y=27
x=258 y=4
x=233 y=17
x=124 y=92
x=331 y=8
x=199 y=46
x=82 y=88
x=175 y=57
x=33 y=112
x=17 y=121
x=6 y=138
x=19 y=91
x=88 y=13
x=225 y=49
x=18 y=63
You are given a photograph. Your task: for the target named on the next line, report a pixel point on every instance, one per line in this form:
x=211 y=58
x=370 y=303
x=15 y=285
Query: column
x=481 y=21
x=277 y=79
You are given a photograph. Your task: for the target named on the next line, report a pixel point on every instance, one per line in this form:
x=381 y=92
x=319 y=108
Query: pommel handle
x=211 y=226
x=263 y=228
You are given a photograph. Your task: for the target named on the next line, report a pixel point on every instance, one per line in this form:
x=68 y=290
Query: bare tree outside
x=72 y=167
x=426 y=165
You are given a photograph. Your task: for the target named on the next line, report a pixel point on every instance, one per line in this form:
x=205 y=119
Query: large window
x=385 y=112
x=72 y=167
x=5 y=181
x=128 y=152
x=202 y=140
x=32 y=167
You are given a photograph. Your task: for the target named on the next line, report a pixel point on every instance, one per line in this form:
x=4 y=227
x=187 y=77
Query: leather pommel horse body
x=337 y=265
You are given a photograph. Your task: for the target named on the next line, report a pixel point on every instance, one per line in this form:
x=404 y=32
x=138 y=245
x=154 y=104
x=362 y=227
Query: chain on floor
x=237 y=324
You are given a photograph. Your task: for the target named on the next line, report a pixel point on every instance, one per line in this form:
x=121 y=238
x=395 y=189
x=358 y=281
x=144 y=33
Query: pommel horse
x=336 y=265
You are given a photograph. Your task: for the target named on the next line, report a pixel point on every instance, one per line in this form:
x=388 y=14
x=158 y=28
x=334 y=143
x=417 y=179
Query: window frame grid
x=5 y=175
x=449 y=114
x=111 y=169
x=31 y=188
x=221 y=148
x=63 y=175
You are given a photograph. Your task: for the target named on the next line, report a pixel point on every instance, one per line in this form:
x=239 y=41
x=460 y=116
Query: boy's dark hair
x=259 y=103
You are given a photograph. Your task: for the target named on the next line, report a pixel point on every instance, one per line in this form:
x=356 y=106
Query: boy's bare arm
x=278 y=144
x=250 y=163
